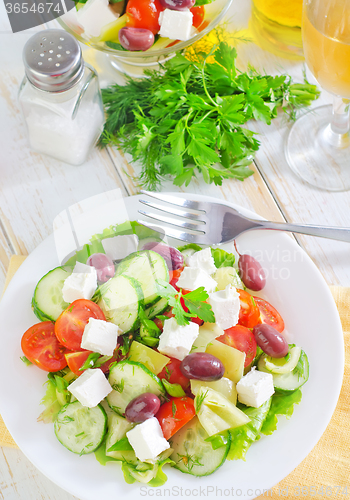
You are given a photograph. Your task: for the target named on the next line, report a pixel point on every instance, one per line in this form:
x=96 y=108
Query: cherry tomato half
x=172 y=373
x=198 y=15
x=40 y=345
x=174 y=414
x=240 y=338
x=69 y=327
x=249 y=314
x=144 y=14
x=174 y=277
x=269 y=315
x=75 y=360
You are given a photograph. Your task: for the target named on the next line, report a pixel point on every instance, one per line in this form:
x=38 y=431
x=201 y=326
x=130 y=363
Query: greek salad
x=137 y=25
x=160 y=355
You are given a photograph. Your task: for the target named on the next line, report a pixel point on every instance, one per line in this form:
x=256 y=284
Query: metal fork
x=214 y=223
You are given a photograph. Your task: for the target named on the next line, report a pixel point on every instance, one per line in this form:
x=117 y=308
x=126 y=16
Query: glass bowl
x=133 y=63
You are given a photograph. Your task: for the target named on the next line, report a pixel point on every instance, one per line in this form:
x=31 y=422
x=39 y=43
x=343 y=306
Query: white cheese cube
x=176 y=341
x=194 y=277
x=100 y=336
x=147 y=440
x=226 y=306
x=255 y=388
x=119 y=247
x=82 y=268
x=176 y=24
x=79 y=286
x=94 y=16
x=91 y=387
x=202 y=259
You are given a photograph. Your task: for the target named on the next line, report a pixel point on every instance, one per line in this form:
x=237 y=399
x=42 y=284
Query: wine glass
x=318 y=145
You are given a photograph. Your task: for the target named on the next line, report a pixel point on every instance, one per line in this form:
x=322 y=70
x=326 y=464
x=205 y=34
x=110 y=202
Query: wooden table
x=35 y=188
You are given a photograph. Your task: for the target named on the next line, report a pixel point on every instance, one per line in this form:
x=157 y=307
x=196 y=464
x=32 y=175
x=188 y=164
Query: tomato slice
x=69 y=327
x=174 y=414
x=240 y=338
x=174 y=277
x=75 y=360
x=159 y=322
x=144 y=14
x=172 y=373
x=40 y=345
x=269 y=315
x=249 y=314
x=198 y=15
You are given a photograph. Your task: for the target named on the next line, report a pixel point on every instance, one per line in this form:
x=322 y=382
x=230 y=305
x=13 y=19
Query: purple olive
x=177 y=4
x=172 y=256
x=202 y=366
x=270 y=340
x=251 y=272
x=104 y=266
x=136 y=38
x=142 y=407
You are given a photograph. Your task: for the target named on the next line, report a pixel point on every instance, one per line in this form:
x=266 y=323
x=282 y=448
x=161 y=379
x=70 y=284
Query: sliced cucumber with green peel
x=47 y=300
x=118 y=426
x=291 y=381
x=81 y=429
x=130 y=379
x=120 y=298
x=146 y=267
x=280 y=365
x=157 y=308
x=193 y=454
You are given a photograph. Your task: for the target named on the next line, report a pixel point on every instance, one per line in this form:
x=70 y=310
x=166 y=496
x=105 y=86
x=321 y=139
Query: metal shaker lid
x=53 y=60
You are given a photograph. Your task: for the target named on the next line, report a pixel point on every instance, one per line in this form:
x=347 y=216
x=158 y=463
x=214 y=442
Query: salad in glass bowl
x=142 y=32
x=160 y=355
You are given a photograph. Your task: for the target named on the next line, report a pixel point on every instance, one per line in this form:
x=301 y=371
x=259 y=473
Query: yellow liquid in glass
x=284 y=12
x=327 y=50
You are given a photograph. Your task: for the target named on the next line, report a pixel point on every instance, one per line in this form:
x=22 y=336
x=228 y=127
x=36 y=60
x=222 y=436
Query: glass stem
x=337 y=132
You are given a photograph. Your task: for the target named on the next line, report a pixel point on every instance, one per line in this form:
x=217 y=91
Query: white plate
x=294 y=286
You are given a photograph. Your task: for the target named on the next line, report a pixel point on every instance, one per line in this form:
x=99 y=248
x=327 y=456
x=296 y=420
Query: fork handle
x=333 y=233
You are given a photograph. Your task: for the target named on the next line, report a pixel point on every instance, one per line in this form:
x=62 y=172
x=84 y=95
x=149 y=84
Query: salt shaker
x=60 y=97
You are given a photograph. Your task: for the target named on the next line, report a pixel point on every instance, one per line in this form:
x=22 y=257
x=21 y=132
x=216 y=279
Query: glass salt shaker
x=60 y=97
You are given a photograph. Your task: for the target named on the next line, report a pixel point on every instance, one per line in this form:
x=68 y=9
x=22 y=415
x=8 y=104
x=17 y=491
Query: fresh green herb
x=189 y=118
x=199 y=400
x=119 y=387
x=194 y=301
x=189 y=461
x=173 y=408
x=80 y=434
x=167 y=373
x=90 y=361
x=102 y=360
x=126 y=342
x=26 y=361
x=174 y=390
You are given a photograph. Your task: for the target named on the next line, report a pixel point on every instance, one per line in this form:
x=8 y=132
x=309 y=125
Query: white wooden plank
x=5 y=255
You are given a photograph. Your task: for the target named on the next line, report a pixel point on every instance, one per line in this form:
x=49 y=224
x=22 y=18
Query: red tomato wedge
x=69 y=327
x=249 y=314
x=75 y=360
x=240 y=338
x=144 y=14
x=198 y=15
x=40 y=345
x=174 y=277
x=269 y=315
x=174 y=414
x=172 y=373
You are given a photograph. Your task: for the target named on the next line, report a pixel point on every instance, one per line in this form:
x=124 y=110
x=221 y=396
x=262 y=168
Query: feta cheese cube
x=94 y=16
x=82 y=268
x=255 y=388
x=176 y=24
x=100 y=336
x=119 y=247
x=79 y=286
x=147 y=440
x=91 y=387
x=194 y=277
x=202 y=259
x=176 y=341
x=226 y=306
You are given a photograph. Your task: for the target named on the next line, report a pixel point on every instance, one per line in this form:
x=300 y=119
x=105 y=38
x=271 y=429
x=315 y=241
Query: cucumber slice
x=156 y=308
x=117 y=428
x=227 y=276
x=289 y=382
x=130 y=379
x=121 y=299
x=280 y=365
x=47 y=300
x=192 y=454
x=81 y=429
x=147 y=267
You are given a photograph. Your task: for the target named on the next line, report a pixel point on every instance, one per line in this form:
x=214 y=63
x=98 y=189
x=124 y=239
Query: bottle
x=60 y=97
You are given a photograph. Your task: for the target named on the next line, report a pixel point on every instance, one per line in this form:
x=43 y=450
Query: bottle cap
x=53 y=60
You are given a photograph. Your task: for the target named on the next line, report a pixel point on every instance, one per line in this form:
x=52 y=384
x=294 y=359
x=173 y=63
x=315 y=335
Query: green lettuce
x=282 y=404
x=243 y=437
x=222 y=258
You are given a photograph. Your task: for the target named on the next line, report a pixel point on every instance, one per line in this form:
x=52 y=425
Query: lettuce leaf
x=282 y=404
x=190 y=246
x=52 y=405
x=222 y=258
x=243 y=437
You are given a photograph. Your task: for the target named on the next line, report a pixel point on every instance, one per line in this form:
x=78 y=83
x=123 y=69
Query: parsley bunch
x=188 y=118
